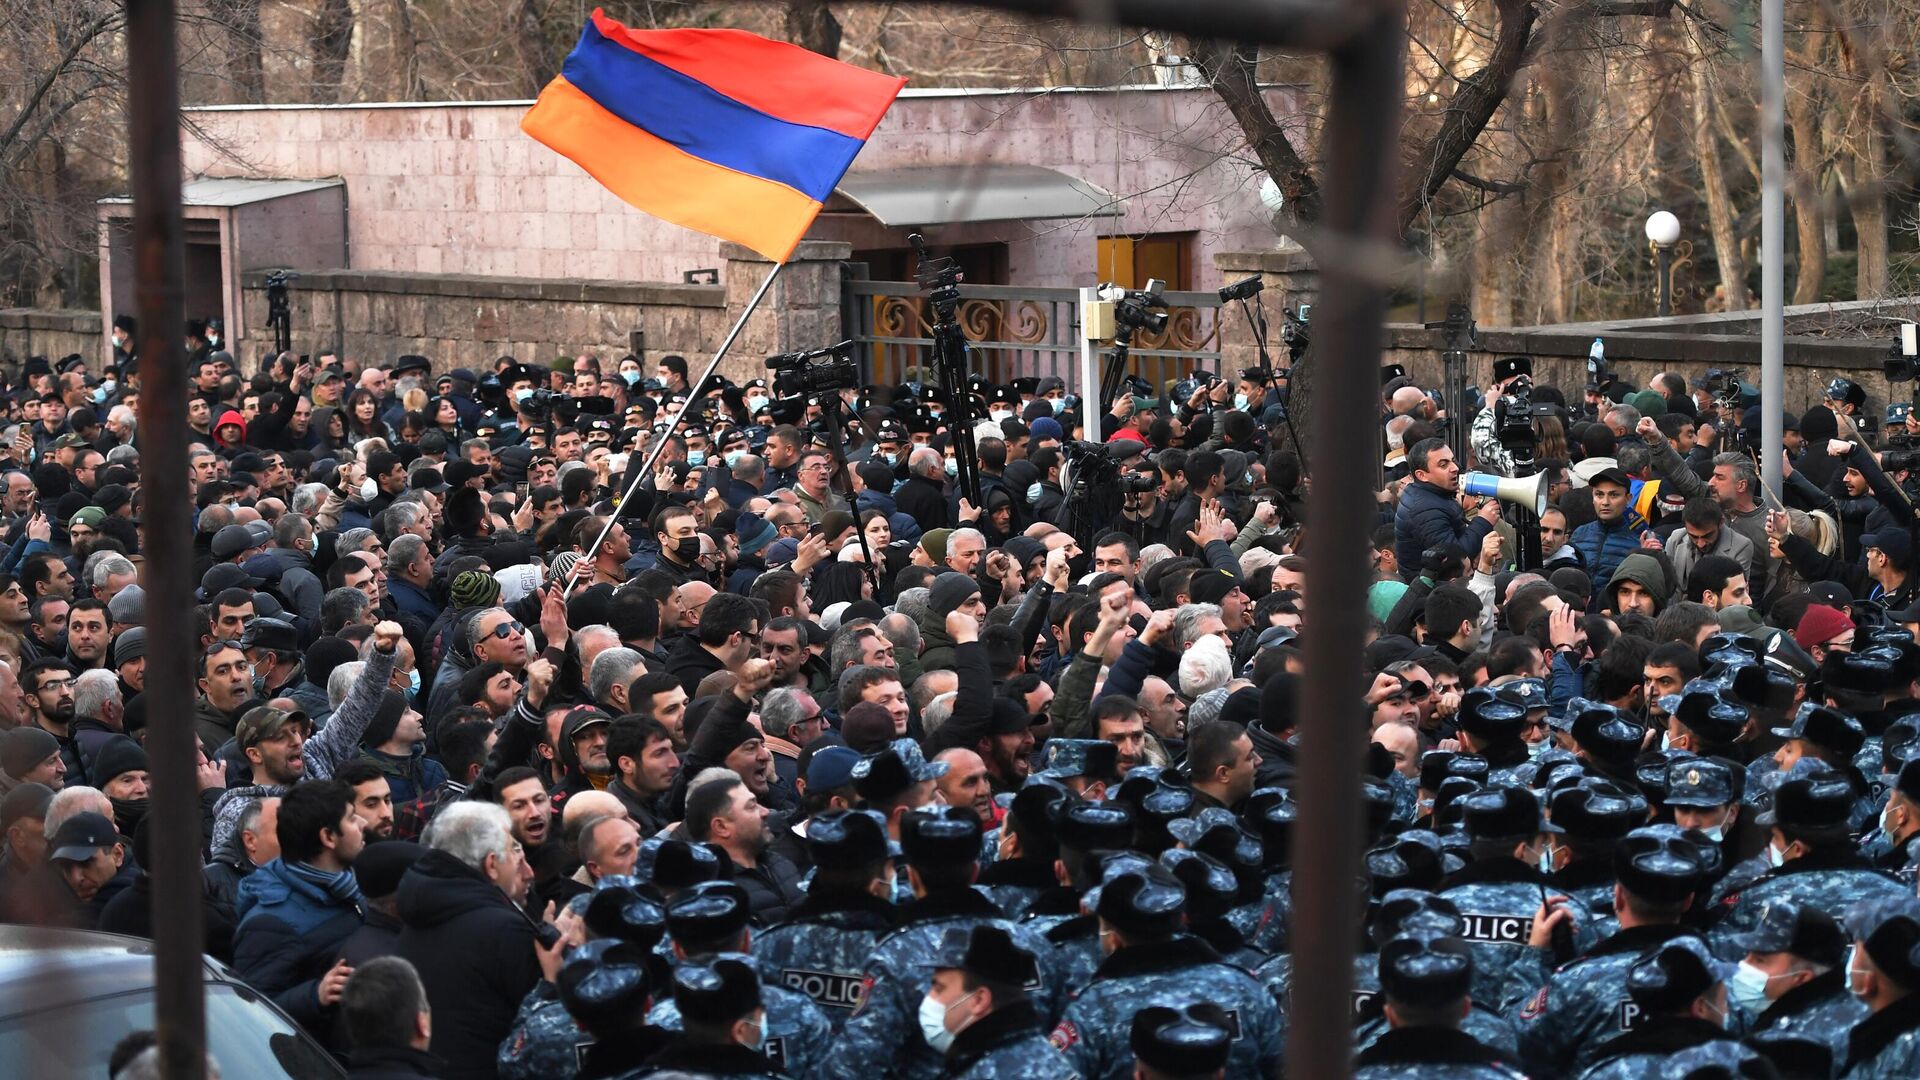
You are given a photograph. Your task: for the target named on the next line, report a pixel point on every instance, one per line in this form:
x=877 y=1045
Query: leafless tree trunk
x=538 y=63
x=331 y=39
x=405 y=82
x=1713 y=180
x=241 y=21
x=811 y=25
x=1807 y=169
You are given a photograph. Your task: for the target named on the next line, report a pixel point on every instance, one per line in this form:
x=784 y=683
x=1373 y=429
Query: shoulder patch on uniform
x=1535 y=1006
x=1064 y=1036
x=866 y=993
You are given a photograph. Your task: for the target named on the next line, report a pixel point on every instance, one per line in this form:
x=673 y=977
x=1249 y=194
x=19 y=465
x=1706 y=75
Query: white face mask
x=1775 y=857
x=755 y=404
x=1033 y=492
x=1747 y=989
x=933 y=1022
x=1854 y=979
x=1059 y=405
x=1534 y=750
x=1240 y=402
x=1000 y=416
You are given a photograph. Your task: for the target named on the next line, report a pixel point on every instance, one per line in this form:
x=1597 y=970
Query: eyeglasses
x=506 y=630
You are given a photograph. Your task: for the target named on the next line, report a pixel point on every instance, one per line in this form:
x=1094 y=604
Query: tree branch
x=1233 y=75
x=1470 y=109
x=1496 y=187
x=106 y=22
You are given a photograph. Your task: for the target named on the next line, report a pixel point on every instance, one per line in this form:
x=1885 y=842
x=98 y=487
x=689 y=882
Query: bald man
x=966 y=783
x=693 y=597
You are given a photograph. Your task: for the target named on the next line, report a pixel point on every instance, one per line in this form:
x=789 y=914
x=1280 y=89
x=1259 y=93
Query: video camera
x=1903 y=358
x=1138 y=309
x=1294 y=330
x=538 y=404
x=815 y=371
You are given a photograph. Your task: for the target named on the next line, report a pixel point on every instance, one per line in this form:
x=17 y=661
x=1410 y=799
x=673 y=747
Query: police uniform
x=1586 y=1002
x=1014 y=885
x=883 y=777
x=1886 y=1044
x=1432 y=971
x=1662 y=984
x=1081 y=828
x=1253 y=916
x=881 y=1037
x=1008 y=1043
x=1839 y=738
x=1821 y=1009
x=716 y=913
x=546 y=1040
x=821 y=950
x=602 y=984
x=717 y=994
x=1165 y=969
x=1703 y=783
x=1595 y=810
x=1814 y=799
x=1498 y=896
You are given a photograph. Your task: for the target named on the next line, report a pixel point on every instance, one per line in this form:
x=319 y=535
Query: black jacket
x=475 y=954
x=690 y=662
x=922 y=500
x=772 y=888
x=1276 y=758
x=395 y=1063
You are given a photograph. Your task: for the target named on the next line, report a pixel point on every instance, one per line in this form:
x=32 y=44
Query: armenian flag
x=720 y=131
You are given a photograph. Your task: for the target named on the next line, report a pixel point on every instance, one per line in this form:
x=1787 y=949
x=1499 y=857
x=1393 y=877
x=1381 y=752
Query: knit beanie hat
x=1820 y=625
x=950 y=590
x=720 y=736
x=867 y=727
x=116 y=756
x=393 y=704
x=934 y=541
x=474 y=588
x=24 y=747
x=326 y=654
x=1649 y=403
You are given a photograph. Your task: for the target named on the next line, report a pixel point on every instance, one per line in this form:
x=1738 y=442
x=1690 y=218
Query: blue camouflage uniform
x=1007 y=1044
x=1014 y=884
x=544 y=1041
x=1432 y=1054
x=1497 y=898
x=822 y=949
x=1585 y=1003
x=1093 y=1033
x=798 y=1035
x=1833 y=879
x=1887 y=1043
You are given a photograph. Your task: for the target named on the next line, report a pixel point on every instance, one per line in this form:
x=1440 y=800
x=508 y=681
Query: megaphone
x=1527 y=492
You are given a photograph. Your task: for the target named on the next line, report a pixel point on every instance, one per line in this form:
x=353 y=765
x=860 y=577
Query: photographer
x=1489 y=455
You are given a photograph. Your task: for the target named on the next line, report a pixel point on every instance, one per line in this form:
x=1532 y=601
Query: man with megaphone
x=1431 y=514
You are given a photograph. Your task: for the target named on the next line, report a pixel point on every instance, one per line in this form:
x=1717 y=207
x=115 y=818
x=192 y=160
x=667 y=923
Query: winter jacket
x=690 y=663
x=1431 y=517
x=289 y=935
x=922 y=500
x=213 y=725
x=411 y=776
x=474 y=951
x=1684 y=556
x=394 y=1063
x=288 y=575
x=1603 y=544
x=1276 y=758
x=936 y=653
x=904 y=526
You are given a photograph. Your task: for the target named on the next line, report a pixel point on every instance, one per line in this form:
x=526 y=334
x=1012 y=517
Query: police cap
x=1669 y=978
x=1405 y=911
x=715 y=994
x=1146 y=900
x=1888 y=930
x=1658 y=866
x=1212 y=889
x=677 y=864
x=1827 y=728
x=1485 y=714
x=1412 y=860
x=712 y=913
x=1609 y=734
x=988 y=952
x=1704 y=708
x=1437 y=765
x=1596 y=809
x=847 y=839
x=621 y=911
x=1706 y=783
x=604 y=984
x=940 y=836
x=1800 y=930
x=1190 y=1041
x=1813 y=798
x=1091 y=826
x=1504 y=811
x=1862 y=673
x=1426 y=969
x=1096 y=759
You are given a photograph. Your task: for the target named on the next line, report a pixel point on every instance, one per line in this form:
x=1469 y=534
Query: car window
x=247 y=1038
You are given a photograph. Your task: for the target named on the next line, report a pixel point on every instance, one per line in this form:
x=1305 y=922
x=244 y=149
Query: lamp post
x=1663 y=231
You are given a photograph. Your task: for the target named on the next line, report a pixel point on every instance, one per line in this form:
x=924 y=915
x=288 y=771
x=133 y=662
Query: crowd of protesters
x=843 y=755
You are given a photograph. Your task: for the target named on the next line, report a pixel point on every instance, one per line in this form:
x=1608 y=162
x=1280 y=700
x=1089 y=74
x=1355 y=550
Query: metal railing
x=1018 y=330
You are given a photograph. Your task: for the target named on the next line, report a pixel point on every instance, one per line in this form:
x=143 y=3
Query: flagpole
x=659 y=445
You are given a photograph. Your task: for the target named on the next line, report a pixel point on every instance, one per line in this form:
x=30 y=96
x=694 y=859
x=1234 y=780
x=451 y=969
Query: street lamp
x=1663 y=231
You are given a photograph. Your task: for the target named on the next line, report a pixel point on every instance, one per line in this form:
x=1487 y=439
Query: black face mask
x=127 y=814
x=687 y=550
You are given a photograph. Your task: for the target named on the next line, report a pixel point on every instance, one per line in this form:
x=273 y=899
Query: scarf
x=342 y=887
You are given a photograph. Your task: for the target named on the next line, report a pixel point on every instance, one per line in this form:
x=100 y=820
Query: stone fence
x=28 y=332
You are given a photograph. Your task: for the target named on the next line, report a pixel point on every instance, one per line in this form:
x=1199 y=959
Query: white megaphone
x=1527 y=492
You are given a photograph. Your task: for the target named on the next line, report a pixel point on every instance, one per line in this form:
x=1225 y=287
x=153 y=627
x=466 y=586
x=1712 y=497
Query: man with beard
x=47 y=630
x=1117 y=719
x=677 y=531
x=226 y=685
x=966 y=782
x=642 y=755
x=49 y=689
x=87 y=635
x=583 y=753
x=523 y=795
x=723 y=811
x=372 y=797
x=395 y=744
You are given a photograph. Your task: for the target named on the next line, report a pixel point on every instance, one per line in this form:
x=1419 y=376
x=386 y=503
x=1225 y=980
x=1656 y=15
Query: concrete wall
x=27 y=332
x=458 y=189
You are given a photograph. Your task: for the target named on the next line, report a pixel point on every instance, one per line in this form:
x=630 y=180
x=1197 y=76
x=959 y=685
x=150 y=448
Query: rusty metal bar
x=159 y=250
x=1360 y=156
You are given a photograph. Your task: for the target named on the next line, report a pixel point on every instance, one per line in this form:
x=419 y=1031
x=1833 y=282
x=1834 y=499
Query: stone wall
x=467 y=320
x=28 y=332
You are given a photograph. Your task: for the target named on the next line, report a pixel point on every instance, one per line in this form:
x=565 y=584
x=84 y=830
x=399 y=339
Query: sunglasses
x=507 y=629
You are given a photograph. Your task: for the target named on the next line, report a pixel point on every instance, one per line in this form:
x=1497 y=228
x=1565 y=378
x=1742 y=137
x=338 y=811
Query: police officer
x=1596 y=815
x=1401 y=912
x=547 y=1034
x=1491 y=726
x=1809 y=856
x=1085 y=767
x=942 y=848
x=1894 y=850
x=1436 y=767
x=893 y=782
x=606 y=985
x=1187 y=1043
x=1426 y=982
x=1150 y=962
x=1025 y=872
x=822 y=948
x=1212 y=892
x=1883 y=971
x=708 y=924
x=1680 y=993
x=1499 y=891
x=725 y=1024
x=1586 y=1001
x=1703 y=719
x=1794 y=977
x=1606 y=740
x=1829 y=735
x=1704 y=793
x=1270 y=814
x=1216 y=832
x=1086 y=833
x=978 y=1014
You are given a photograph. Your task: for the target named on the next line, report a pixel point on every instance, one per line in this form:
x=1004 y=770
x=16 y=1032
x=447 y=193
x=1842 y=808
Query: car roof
x=44 y=968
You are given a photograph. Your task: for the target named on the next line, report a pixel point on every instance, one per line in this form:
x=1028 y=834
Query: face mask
x=522 y=396
x=933 y=1022
x=1033 y=492
x=1854 y=980
x=1534 y=750
x=999 y=415
x=687 y=550
x=734 y=456
x=1546 y=859
x=632 y=378
x=1059 y=405
x=1240 y=402
x=891 y=459
x=1775 y=857
x=1716 y=833
x=1666 y=741
x=1747 y=989
x=953 y=467
x=128 y=813
x=1886 y=827
x=759 y=1036
x=755 y=404
x=696 y=457
x=413 y=683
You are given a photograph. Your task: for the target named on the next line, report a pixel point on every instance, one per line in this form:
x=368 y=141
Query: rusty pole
x=1360 y=153
x=153 y=134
